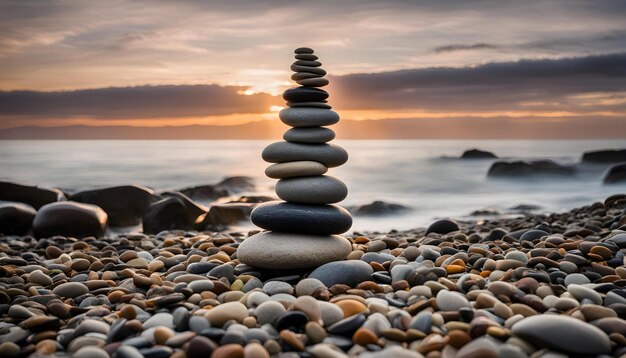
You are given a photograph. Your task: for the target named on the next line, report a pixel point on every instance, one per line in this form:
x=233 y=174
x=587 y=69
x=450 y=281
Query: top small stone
x=300 y=50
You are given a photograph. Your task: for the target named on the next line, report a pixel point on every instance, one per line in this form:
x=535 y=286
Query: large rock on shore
x=124 y=204
x=15 y=218
x=69 y=218
x=478 y=154
x=175 y=211
x=225 y=214
x=529 y=168
x=616 y=174
x=31 y=195
x=605 y=156
x=227 y=187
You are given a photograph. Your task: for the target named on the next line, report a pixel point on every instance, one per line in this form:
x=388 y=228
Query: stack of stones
x=303 y=229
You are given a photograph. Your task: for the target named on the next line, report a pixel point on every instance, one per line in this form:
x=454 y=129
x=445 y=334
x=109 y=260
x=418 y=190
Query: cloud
x=551 y=84
x=453 y=48
x=165 y=101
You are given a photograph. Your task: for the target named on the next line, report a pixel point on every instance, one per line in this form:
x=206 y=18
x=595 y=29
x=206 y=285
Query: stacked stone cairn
x=303 y=227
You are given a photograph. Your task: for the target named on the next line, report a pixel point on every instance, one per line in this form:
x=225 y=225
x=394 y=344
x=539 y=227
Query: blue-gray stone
x=300 y=218
x=351 y=273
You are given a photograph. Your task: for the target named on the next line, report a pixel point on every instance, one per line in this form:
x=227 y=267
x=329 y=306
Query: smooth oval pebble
x=303 y=50
x=563 y=333
x=351 y=273
x=321 y=189
x=308 y=117
x=316 y=70
x=219 y=315
x=328 y=154
x=313 y=82
x=303 y=75
x=317 y=135
x=305 y=94
x=301 y=219
x=70 y=289
x=295 y=169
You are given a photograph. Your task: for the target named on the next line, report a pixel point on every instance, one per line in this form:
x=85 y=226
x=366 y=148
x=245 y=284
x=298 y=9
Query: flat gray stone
x=302 y=75
x=350 y=272
x=295 y=169
x=317 y=135
x=313 y=82
x=277 y=250
x=451 y=300
x=321 y=189
x=309 y=105
x=563 y=333
x=308 y=117
x=328 y=154
x=316 y=70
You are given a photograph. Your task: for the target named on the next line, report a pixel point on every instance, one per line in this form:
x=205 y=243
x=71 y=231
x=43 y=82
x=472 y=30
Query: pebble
x=70 y=289
x=349 y=273
x=220 y=314
x=318 y=189
x=328 y=154
x=301 y=218
x=308 y=117
x=313 y=135
x=451 y=301
x=295 y=169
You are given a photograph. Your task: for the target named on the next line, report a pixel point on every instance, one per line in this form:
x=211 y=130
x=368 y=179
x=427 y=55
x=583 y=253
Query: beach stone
x=295 y=169
x=328 y=154
x=308 y=117
x=16 y=218
x=299 y=218
x=532 y=235
x=160 y=319
x=291 y=251
x=219 y=315
x=303 y=75
x=306 y=57
x=39 y=278
x=576 y=278
x=90 y=352
x=616 y=174
x=443 y=226
x=322 y=105
x=125 y=205
x=605 y=156
x=563 y=334
x=316 y=70
x=308 y=286
x=519 y=169
x=310 y=63
x=303 y=50
x=31 y=195
x=10 y=350
x=255 y=350
x=313 y=82
x=349 y=273
x=304 y=94
x=70 y=289
x=69 y=219
x=316 y=135
x=581 y=292
x=268 y=312
x=320 y=189
x=484 y=347
x=168 y=214
x=451 y=300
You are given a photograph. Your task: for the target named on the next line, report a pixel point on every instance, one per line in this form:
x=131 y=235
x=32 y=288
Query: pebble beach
x=534 y=286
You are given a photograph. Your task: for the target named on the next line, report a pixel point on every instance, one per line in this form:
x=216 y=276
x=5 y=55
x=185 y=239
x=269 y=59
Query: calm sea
x=409 y=172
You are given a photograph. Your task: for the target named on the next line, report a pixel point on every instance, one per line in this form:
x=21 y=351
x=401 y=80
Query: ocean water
x=414 y=173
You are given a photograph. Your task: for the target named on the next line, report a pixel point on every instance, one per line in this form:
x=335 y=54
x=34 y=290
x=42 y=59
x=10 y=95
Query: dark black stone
x=301 y=50
x=291 y=319
x=347 y=326
x=167 y=214
x=532 y=235
x=529 y=168
x=477 y=154
x=616 y=174
x=125 y=204
x=605 y=156
x=31 y=195
x=350 y=272
x=16 y=218
x=443 y=226
x=305 y=94
x=301 y=218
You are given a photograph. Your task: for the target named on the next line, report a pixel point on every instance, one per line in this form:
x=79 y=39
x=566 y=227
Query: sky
x=178 y=63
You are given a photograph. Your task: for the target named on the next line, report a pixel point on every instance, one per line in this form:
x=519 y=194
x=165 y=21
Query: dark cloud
x=493 y=86
x=452 y=48
x=133 y=102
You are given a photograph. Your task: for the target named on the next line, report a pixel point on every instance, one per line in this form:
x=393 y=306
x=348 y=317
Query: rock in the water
x=320 y=189
x=308 y=117
x=309 y=135
x=605 y=156
x=529 y=168
x=563 y=333
x=31 y=195
x=277 y=250
x=299 y=218
x=228 y=186
x=167 y=214
x=443 y=226
x=69 y=219
x=226 y=214
x=125 y=204
x=616 y=174
x=305 y=94
x=477 y=154
x=15 y=218
x=295 y=169
x=351 y=273
x=328 y=154
x=379 y=208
